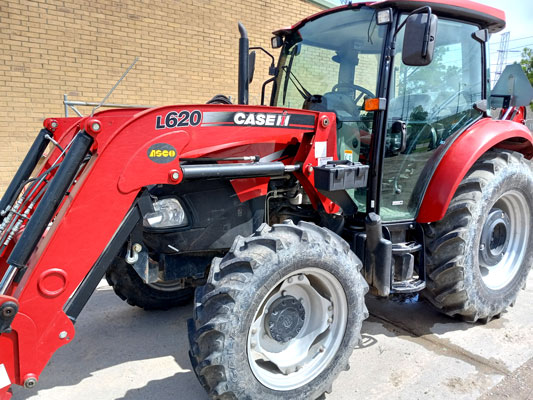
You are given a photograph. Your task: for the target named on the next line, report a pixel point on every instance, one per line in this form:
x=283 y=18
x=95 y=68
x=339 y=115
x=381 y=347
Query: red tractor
x=375 y=165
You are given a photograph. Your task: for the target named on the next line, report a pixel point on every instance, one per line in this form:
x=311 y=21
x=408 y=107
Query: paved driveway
x=409 y=352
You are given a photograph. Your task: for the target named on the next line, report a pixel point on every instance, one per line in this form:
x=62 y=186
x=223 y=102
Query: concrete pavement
x=409 y=352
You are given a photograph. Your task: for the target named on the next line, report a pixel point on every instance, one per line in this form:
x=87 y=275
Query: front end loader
x=375 y=167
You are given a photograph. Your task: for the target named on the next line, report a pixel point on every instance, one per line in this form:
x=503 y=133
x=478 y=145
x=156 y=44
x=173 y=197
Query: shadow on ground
x=123 y=352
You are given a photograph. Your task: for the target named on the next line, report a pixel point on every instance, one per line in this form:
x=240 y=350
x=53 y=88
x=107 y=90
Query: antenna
x=114 y=87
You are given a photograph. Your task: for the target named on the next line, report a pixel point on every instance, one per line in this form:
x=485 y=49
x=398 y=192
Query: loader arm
x=97 y=189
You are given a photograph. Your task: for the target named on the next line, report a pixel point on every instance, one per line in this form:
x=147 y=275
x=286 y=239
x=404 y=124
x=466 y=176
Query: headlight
x=167 y=213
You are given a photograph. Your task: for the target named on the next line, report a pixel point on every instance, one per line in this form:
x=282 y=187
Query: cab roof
x=487 y=17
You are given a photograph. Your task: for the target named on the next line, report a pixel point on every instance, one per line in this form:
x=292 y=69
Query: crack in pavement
x=482 y=364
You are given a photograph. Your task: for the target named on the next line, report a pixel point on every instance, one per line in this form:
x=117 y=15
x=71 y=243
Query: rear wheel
x=480 y=253
x=153 y=296
x=280 y=315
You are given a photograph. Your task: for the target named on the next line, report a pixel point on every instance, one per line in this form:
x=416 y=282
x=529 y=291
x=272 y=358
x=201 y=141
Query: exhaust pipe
x=244 y=47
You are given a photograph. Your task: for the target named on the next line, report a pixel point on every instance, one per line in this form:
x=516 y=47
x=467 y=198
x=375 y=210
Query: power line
x=522 y=38
x=513 y=48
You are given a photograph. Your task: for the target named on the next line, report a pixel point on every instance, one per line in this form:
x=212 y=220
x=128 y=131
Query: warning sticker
x=348 y=155
x=321 y=149
x=4 y=377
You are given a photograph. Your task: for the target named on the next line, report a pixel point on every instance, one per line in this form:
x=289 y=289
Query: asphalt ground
x=409 y=352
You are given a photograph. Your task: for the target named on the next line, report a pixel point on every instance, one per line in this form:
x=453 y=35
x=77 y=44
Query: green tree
x=527 y=65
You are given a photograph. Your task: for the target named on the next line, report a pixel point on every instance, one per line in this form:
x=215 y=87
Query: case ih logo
x=280 y=120
x=261 y=119
x=161 y=153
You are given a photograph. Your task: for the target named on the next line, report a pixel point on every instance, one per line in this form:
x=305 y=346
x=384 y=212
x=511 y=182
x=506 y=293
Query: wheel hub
x=285 y=319
x=297 y=329
x=494 y=237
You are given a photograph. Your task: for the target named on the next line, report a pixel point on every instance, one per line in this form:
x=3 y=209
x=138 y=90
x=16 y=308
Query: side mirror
x=396 y=143
x=251 y=67
x=419 y=39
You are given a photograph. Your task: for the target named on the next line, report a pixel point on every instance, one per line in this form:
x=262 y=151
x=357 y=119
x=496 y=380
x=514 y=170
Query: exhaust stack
x=244 y=46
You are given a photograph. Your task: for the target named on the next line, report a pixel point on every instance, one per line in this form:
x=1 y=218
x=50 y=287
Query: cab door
x=436 y=104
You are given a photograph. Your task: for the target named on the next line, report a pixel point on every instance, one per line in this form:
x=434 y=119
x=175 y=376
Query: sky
x=519 y=16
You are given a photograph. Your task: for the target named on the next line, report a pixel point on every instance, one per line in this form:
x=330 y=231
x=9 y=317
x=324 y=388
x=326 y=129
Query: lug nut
x=482 y=247
x=300 y=277
x=330 y=320
x=252 y=345
x=330 y=308
x=289 y=280
x=96 y=126
x=254 y=331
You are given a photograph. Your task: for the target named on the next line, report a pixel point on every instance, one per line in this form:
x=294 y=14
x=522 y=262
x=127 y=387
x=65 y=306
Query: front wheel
x=480 y=253
x=160 y=295
x=280 y=315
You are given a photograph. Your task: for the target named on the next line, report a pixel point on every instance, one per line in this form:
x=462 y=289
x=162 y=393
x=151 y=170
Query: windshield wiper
x=287 y=75
x=297 y=84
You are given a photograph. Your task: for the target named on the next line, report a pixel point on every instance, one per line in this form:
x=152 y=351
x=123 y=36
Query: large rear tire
x=279 y=316
x=480 y=253
x=132 y=289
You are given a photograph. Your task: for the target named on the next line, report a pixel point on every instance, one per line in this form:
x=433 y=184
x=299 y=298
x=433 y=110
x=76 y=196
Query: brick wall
x=187 y=49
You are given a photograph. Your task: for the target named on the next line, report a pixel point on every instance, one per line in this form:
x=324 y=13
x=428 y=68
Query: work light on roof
x=384 y=16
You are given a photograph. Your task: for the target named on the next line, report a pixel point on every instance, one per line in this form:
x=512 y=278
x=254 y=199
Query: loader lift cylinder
x=49 y=203
x=25 y=170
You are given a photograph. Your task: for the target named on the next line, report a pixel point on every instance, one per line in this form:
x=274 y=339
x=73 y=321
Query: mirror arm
x=265 y=83
x=426 y=34
x=273 y=64
x=417 y=11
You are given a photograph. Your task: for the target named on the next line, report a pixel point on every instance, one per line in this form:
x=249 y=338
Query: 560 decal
x=178 y=119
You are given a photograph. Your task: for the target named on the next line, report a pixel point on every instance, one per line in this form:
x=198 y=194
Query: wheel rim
x=298 y=329
x=504 y=239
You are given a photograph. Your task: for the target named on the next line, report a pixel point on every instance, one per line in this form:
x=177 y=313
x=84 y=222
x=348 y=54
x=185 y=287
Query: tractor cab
x=338 y=60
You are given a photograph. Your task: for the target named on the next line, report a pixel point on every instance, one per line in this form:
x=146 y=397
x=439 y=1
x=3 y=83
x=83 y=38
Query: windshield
x=332 y=64
x=339 y=53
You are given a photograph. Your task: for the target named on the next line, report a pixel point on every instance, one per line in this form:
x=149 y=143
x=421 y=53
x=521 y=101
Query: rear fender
x=461 y=156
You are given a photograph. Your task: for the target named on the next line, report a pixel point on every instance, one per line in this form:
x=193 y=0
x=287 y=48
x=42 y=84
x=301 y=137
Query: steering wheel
x=356 y=88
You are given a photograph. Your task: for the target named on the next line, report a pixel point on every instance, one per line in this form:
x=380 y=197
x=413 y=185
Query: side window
x=435 y=101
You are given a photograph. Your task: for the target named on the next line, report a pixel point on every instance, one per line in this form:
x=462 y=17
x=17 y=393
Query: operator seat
x=347 y=112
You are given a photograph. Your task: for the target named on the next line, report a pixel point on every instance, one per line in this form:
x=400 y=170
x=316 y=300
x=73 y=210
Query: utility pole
x=502 y=56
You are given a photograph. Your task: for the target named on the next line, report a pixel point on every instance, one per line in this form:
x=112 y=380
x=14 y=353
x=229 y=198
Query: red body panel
x=482 y=136
x=104 y=192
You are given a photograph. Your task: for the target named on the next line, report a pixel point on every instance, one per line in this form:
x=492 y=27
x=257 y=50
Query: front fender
x=461 y=156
